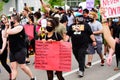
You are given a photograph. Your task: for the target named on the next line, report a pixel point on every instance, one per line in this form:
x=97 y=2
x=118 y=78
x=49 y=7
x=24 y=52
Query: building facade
x=19 y=5
x=73 y=3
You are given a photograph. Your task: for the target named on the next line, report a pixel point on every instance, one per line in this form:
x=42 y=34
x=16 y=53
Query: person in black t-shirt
x=51 y=35
x=17 y=47
x=80 y=33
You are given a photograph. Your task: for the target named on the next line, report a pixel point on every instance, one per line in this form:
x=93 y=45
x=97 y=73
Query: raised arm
x=46 y=7
x=106 y=31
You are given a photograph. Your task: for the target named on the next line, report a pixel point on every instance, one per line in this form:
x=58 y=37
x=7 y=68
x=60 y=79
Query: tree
x=1 y=5
x=56 y=2
x=5 y=1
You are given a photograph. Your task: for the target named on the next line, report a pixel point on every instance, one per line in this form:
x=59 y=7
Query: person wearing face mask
x=79 y=32
x=51 y=35
x=16 y=38
x=96 y=27
x=116 y=36
x=3 y=45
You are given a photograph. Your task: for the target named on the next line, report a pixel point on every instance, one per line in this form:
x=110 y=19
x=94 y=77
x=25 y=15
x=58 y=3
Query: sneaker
x=88 y=65
x=34 y=78
x=116 y=69
x=102 y=62
x=27 y=62
x=10 y=76
x=81 y=74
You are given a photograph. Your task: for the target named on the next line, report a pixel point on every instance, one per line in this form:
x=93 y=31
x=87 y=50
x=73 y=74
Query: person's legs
x=117 y=51
x=59 y=75
x=4 y=61
x=50 y=74
x=14 y=66
x=99 y=51
x=26 y=70
x=27 y=56
x=75 y=53
x=89 y=62
x=81 y=60
x=90 y=52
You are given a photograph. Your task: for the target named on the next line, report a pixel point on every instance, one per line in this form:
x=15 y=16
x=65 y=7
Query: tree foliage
x=5 y=1
x=56 y=2
x=1 y=5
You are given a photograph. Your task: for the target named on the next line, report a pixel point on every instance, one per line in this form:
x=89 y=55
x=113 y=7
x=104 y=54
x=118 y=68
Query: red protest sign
x=29 y=30
x=53 y=56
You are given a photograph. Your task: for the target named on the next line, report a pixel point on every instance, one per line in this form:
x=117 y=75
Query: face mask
x=12 y=23
x=80 y=20
x=49 y=29
x=116 y=20
x=91 y=19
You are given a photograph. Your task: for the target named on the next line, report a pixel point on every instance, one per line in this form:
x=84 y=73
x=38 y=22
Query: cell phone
x=25 y=4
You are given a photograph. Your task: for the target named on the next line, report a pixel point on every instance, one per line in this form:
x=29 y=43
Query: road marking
x=114 y=77
x=75 y=70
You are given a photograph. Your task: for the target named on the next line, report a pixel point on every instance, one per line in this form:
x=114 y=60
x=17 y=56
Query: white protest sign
x=112 y=8
x=89 y=4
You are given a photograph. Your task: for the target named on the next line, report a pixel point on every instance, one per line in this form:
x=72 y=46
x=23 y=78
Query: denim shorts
x=92 y=49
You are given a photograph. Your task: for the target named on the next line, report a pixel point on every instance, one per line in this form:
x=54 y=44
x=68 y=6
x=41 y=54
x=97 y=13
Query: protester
x=51 y=35
x=17 y=48
x=79 y=33
x=96 y=27
x=3 y=45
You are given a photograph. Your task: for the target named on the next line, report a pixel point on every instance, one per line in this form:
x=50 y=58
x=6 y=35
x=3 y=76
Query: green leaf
x=1 y=5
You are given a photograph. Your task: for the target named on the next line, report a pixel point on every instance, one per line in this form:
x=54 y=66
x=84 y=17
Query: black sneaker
x=27 y=62
x=33 y=78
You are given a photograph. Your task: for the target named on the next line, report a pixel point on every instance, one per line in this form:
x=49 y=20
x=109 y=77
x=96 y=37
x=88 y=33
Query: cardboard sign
x=29 y=30
x=112 y=8
x=89 y=4
x=53 y=55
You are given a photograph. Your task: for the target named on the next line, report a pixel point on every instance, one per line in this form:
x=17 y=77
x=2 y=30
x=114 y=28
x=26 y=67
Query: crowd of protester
x=83 y=28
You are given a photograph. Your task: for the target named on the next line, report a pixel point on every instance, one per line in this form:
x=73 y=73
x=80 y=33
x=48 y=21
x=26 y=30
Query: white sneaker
x=81 y=74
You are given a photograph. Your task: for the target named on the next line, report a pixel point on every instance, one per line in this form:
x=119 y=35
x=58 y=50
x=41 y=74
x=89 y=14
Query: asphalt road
x=96 y=72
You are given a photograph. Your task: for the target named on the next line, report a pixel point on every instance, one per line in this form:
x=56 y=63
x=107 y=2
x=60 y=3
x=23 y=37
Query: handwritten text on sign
x=53 y=56
x=112 y=8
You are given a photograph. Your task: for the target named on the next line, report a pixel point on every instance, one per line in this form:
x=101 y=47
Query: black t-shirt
x=117 y=34
x=63 y=18
x=17 y=41
x=80 y=39
x=2 y=27
x=114 y=27
x=55 y=36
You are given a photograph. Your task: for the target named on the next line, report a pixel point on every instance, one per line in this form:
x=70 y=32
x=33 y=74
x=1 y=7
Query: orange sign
x=53 y=55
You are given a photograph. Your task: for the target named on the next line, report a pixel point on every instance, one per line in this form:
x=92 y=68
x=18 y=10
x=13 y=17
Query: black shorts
x=19 y=56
